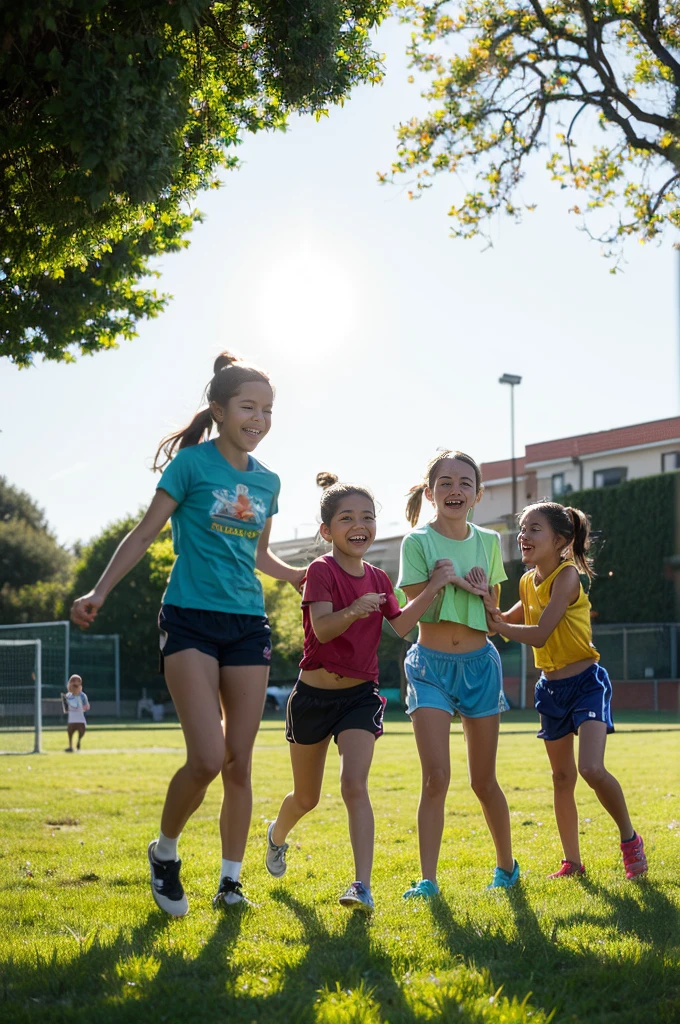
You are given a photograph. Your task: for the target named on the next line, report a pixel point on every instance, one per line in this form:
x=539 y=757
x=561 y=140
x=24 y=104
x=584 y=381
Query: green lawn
x=82 y=940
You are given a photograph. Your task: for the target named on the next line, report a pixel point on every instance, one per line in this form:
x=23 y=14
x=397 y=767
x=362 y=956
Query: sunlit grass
x=81 y=939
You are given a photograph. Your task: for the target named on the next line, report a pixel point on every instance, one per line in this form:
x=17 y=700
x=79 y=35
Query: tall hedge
x=637 y=526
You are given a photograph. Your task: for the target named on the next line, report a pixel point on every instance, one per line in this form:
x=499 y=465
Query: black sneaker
x=229 y=894
x=166 y=887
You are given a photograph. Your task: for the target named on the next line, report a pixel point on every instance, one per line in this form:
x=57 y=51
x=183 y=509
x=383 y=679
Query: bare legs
x=193 y=681
x=481 y=736
x=242 y=689
x=308 y=761
x=356 y=748
x=202 y=693
x=592 y=739
x=432 y=728
x=71 y=729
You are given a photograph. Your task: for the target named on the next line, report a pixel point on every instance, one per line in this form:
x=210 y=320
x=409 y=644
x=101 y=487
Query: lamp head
x=509 y=378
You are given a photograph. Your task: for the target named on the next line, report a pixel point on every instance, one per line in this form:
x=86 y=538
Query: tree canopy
x=596 y=82
x=114 y=115
x=28 y=551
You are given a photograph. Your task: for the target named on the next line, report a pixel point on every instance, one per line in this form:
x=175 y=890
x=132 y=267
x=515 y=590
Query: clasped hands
x=475 y=582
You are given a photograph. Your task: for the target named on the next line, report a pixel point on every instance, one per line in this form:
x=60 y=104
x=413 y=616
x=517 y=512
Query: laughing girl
x=454 y=668
x=345 y=601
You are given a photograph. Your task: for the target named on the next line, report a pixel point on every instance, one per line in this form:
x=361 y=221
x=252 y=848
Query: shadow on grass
x=130 y=979
x=564 y=971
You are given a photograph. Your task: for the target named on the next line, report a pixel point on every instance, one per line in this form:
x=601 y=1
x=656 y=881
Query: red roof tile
x=503 y=468
x=604 y=440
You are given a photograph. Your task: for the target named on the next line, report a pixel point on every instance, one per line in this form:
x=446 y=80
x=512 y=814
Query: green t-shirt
x=422 y=548
x=221 y=512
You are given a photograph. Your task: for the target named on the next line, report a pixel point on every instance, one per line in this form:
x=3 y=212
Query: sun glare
x=306 y=296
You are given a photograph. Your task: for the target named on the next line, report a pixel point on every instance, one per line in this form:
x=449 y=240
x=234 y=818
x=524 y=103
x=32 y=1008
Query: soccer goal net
x=20 y=696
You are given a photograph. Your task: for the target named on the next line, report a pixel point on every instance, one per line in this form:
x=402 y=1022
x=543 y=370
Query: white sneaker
x=166 y=887
x=275 y=857
x=359 y=897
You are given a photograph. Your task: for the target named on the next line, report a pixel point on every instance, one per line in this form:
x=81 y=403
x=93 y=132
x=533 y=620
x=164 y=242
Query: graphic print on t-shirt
x=238 y=507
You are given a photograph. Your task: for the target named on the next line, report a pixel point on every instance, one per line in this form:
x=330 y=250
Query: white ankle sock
x=231 y=869
x=166 y=848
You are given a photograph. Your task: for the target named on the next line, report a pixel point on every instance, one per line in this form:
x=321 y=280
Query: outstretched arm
x=421 y=596
x=268 y=563
x=328 y=624
x=565 y=591
x=130 y=550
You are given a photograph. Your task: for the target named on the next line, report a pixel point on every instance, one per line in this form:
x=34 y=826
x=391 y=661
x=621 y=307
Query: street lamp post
x=512 y=379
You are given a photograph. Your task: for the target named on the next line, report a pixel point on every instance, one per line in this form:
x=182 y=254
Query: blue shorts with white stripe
x=565 y=704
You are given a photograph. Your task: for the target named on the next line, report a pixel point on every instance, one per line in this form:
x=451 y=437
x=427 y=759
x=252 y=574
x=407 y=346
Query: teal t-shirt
x=422 y=548
x=220 y=514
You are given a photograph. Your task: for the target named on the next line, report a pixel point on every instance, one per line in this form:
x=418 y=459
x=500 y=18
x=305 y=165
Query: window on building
x=670 y=461
x=558 y=488
x=610 y=477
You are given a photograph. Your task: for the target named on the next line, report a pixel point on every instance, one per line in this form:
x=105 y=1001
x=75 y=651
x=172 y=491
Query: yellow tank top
x=571 y=640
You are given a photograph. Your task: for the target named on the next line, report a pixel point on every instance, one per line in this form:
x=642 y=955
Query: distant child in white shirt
x=75 y=704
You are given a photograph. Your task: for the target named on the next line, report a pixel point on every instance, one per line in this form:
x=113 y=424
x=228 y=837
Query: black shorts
x=230 y=639
x=313 y=713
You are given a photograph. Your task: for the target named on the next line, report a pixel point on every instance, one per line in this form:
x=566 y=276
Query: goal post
x=20 y=696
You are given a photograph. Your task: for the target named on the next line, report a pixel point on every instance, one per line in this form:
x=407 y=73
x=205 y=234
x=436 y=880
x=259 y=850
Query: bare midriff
x=574 y=669
x=450 y=637
x=326 y=680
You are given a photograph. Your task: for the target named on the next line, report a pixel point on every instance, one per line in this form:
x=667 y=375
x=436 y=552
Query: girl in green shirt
x=454 y=668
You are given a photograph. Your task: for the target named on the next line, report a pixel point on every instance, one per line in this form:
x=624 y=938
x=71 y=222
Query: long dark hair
x=415 y=495
x=230 y=374
x=334 y=492
x=570 y=523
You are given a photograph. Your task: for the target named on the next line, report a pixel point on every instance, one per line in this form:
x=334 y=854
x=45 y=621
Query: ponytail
x=581 y=541
x=570 y=523
x=414 y=503
x=229 y=375
x=199 y=429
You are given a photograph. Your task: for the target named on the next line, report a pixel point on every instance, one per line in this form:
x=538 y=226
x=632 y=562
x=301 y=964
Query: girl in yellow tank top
x=573 y=694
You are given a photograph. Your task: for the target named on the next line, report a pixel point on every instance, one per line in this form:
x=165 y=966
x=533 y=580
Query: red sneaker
x=569 y=868
x=634 y=860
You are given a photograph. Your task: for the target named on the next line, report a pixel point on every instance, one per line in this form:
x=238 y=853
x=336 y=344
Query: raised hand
x=84 y=609
x=366 y=605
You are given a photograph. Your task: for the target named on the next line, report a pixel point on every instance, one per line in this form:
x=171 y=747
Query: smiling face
x=455 y=490
x=352 y=527
x=247 y=417
x=538 y=542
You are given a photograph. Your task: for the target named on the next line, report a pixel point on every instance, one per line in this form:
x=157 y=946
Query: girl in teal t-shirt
x=214 y=635
x=454 y=668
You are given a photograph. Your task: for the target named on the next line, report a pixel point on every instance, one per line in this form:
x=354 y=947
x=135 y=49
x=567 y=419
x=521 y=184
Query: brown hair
x=570 y=523
x=334 y=492
x=415 y=495
x=230 y=374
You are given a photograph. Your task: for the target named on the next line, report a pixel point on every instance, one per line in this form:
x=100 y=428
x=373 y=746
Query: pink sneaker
x=634 y=860
x=569 y=868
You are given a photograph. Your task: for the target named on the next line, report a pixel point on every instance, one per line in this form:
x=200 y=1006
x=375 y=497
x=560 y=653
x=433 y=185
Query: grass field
x=82 y=940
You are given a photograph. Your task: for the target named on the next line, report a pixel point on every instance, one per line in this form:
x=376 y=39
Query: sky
x=384 y=336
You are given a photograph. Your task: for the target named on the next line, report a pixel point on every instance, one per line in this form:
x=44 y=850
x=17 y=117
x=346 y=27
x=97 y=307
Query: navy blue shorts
x=230 y=639
x=565 y=704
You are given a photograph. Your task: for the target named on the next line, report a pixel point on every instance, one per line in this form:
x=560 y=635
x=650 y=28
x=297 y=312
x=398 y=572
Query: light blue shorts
x=470 y=685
